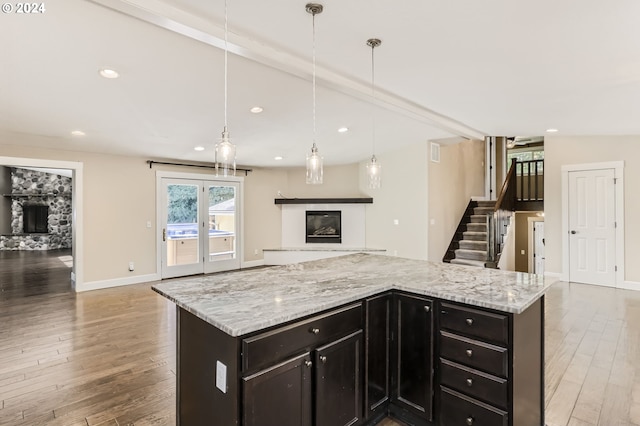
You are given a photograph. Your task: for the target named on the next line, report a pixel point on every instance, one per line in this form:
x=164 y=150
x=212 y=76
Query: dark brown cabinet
x=321 y=387
x=378 y=352
x=338 y=390
x=280 y=395
x=413 y=349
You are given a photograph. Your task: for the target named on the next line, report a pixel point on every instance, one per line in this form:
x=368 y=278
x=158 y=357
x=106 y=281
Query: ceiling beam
x=171 y=18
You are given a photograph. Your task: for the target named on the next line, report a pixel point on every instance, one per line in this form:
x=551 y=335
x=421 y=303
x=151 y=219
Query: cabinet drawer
x=460 y=410
x=475 y=323
x=482 y=386
x=483 y=356
x=272 y=346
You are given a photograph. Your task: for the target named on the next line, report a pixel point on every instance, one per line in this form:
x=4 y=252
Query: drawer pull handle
x=469 y=382
x=469 y=420
x=469 y=353
x=323 y=359
x=427 y=309
x=469 y=321
x=315 y=330
x=308 y=363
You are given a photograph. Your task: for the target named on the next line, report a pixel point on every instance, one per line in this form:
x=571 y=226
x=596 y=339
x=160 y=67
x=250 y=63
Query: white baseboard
x=117 y=282
x=630 y=285
x=252 y=264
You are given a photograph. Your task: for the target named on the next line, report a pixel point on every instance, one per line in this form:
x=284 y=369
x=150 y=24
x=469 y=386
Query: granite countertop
x=245 y=301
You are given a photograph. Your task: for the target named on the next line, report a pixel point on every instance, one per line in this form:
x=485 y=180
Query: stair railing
x=498 y=222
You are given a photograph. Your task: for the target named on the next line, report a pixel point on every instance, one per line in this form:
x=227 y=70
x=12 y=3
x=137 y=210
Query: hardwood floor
x=107 y=357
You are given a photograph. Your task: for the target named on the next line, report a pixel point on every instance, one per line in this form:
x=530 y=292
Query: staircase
x=473 y=245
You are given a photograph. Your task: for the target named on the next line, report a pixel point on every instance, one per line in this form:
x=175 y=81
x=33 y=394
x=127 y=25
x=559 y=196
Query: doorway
x=536 y=245
x=199 y=225
x=75 y=257
x=593 y=224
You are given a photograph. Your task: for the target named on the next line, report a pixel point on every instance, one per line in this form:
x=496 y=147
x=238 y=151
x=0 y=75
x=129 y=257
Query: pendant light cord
x=314 y=79
x=373 y=95
x=226 y=30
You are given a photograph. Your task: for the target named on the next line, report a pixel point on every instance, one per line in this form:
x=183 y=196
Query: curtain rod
x=152 y=162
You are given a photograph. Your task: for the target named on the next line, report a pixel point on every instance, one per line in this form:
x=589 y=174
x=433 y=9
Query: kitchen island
x=351 y=339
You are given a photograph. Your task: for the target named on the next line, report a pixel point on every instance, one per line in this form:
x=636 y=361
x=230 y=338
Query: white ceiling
x=445 y=69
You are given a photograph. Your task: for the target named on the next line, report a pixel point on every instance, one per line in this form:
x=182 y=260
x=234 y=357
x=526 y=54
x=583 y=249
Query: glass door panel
x=222 y=241
x=181 y=228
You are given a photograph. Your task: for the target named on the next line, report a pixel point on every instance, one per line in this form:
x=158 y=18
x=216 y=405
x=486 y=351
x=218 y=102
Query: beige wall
x=338 y=181
x=453 y=181
x=402 y=196
x=564 y=150
x=522 y=240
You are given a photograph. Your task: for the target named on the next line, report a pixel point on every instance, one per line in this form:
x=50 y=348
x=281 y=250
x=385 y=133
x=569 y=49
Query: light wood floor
x=107 y=357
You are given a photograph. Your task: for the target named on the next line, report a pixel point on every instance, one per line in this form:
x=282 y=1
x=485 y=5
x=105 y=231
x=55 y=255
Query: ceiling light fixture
x=225 y=150
x=343 y=130
x=256 y=110
x=374 y=168
x=552 y=130
x=199 y=148
x=109 y=73
x=278 y=158
x=314 y=160
x=78 y=133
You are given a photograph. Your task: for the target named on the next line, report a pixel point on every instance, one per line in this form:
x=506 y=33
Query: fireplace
x=35 y=219
x=324 y=226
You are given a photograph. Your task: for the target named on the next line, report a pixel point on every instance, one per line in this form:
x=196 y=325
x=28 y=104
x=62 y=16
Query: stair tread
x=464 y=262
x=470 y=251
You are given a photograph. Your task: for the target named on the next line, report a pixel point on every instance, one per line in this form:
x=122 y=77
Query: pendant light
x=374 y=168
x=314 y=160
x=225 y=150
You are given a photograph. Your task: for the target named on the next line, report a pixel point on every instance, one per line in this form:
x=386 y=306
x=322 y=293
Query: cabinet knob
x=427 y=309
x=323 y=359
x=315 y=330
x=469 y=321
x=469 y=382
x=469 y=420
x=308 y=363
x=469 y=353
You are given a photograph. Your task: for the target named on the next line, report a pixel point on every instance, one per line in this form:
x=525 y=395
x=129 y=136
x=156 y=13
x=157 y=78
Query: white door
x=592 y=227
x=199 y=226
x=538 y=247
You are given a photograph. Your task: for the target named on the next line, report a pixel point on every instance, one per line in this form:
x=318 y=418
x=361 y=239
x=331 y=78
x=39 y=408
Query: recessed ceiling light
x=278 y=158
x=78 y=133
x=552 y=130
x=343 y=129
x=109 y=73
x=199 y=148
x=256 y=110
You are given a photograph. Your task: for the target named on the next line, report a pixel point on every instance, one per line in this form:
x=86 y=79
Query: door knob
x=308 y=363
x=574 y=232
x=323 y=359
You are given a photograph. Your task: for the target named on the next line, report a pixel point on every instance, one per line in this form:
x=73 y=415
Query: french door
x=200 y=226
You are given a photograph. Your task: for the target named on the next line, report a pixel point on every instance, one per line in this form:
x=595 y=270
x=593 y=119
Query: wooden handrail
x=498 y=222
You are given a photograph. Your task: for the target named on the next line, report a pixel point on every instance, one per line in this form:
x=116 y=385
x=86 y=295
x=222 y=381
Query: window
x=523 y=155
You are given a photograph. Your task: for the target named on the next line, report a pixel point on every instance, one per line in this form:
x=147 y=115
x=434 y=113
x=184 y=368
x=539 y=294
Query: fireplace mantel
x=360 y=200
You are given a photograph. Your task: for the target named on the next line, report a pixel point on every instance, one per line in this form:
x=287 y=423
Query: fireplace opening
x=324 y=226
x=35 y=219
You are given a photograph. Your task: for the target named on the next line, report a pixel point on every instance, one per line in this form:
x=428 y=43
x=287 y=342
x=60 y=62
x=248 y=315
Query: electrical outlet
x=255 y=251
x=131 y=266
x=279 y=194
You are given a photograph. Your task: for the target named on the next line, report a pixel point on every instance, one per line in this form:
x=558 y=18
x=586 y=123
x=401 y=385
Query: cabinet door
x=339 y=382
x=413 y=381
x=377 y=351
x=279 y=395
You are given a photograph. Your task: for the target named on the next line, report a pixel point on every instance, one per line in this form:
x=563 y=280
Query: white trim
x=618 y=168
x=630 y=285
x=77 y=224
x=118 y=282
x=252 y=264
x=530 y=241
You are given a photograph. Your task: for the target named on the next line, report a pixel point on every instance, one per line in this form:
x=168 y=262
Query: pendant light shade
x=374 y=168
x=314 y=166
x=225 y=156
x=314 y=160
x=225 y=150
